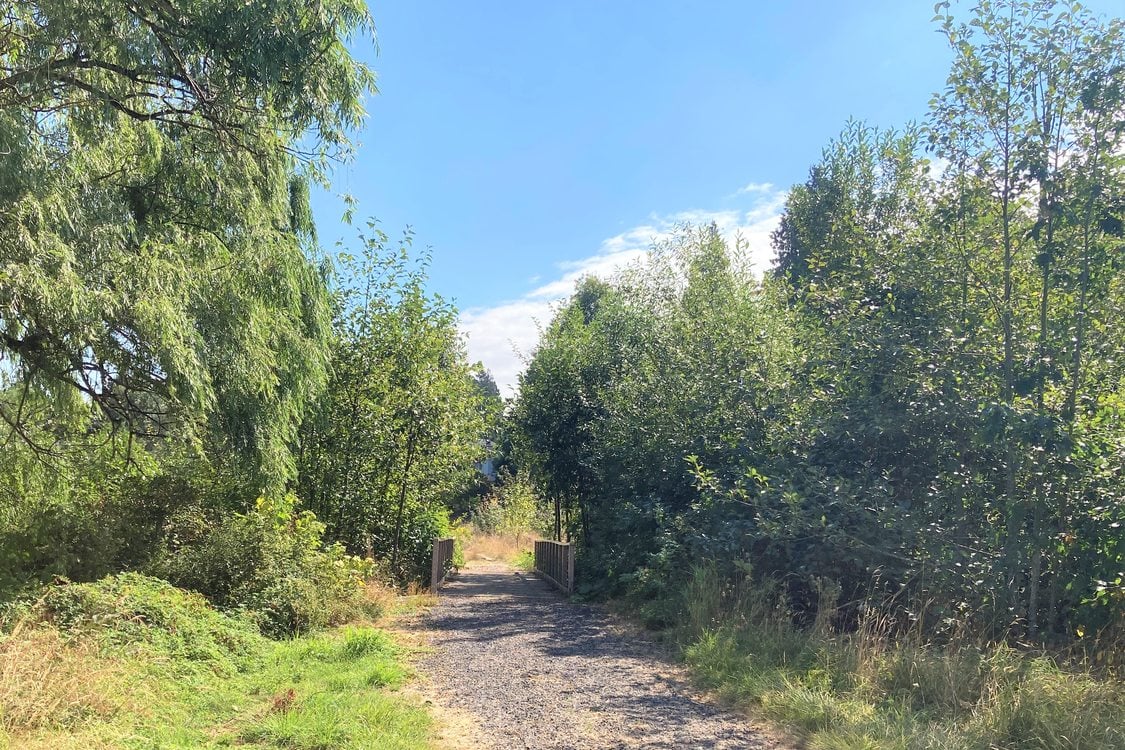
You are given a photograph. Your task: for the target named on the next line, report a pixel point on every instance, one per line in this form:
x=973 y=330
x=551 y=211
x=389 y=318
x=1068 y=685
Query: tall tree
x=396 y=434
x=154 y=227
x=1026 y=126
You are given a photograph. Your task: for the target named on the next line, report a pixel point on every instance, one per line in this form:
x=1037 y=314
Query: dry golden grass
x=46 y=680
x=417 y=595
x=378 y=601
x=496 y=547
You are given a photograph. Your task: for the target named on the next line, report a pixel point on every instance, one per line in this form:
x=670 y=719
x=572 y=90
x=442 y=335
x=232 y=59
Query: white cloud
x=502 y=335
x=755 y=187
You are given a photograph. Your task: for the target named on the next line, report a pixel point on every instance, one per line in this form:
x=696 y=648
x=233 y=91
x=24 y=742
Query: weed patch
x=135 y=615
x=134 y=662
x=849 y=691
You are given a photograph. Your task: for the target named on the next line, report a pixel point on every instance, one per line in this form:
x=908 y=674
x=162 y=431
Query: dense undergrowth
x=273 y=565
x=130 y=661
x=870 y=689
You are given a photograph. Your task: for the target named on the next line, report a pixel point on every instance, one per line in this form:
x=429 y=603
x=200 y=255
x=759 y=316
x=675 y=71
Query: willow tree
x=155 y=275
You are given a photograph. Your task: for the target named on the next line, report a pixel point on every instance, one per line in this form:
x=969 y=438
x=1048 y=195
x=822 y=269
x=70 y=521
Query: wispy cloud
x=755 y=187
x=502 y=335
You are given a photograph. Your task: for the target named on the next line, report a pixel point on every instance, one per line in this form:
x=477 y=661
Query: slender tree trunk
x=1015 y=519
x=402 y=500
x=1015 y=510
x=382 y=493
x=1046 y=222
x=585 y=512
x=1036 y=572
x=345 y=498
x=1070 y=408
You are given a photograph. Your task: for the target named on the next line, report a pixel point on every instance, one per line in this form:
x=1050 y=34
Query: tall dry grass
x=867 y=689
x=497 y=546
x=47 y=680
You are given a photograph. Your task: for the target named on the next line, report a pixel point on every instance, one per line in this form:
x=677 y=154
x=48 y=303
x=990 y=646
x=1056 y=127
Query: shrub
x=511 y=509
x=420 y=527
x=272 y=563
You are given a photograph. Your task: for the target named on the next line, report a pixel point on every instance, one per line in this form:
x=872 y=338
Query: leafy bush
x=511 y=508
x=89 y=515
x=420 y=528
x=272 y=563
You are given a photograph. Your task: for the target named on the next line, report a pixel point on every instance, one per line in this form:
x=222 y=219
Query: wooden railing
x=442 y=562
x=555 y=562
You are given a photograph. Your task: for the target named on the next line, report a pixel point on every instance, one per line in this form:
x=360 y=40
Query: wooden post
x=436 y=566
x=570 y=568
x=441 y=561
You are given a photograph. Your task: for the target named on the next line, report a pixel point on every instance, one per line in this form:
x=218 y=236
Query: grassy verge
x=862 y=691
x=134 y=663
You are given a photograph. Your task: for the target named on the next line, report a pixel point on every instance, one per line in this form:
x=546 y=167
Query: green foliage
x=920 y=409
x=76 y=519
x=665 y=364
x=272 y=563
x=144 y=616
x=149 y=685
x=862 y=691
x=96 y=511
x=524 y=560
x=155 y=277
x=165 y=322
x=398 y=432
x=511 y=508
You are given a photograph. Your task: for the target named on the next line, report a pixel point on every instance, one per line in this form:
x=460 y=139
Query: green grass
x=524 y=560
x=144 y=688
x=862 y=691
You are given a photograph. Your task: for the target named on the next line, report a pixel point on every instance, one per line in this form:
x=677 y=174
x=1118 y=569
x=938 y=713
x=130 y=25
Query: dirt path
x=515 y=666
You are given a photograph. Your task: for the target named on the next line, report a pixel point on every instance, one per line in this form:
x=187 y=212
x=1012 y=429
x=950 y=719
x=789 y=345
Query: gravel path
x=522 y=668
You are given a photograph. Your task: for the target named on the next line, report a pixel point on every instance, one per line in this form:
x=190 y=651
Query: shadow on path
x=538 y=671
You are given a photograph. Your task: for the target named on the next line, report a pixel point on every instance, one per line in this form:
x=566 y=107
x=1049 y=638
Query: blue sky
x=529 y=143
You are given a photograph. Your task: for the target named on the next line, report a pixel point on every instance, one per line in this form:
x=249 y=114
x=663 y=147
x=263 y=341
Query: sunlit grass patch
x=116 y=681
x=332 y=692
x=524 y=560
x=858 y=691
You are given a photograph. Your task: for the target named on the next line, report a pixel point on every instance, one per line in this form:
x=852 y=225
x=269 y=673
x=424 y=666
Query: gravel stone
x=533 y=670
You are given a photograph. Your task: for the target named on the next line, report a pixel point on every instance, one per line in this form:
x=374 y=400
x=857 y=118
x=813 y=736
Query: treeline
x=920 y=409
x=185 y=376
